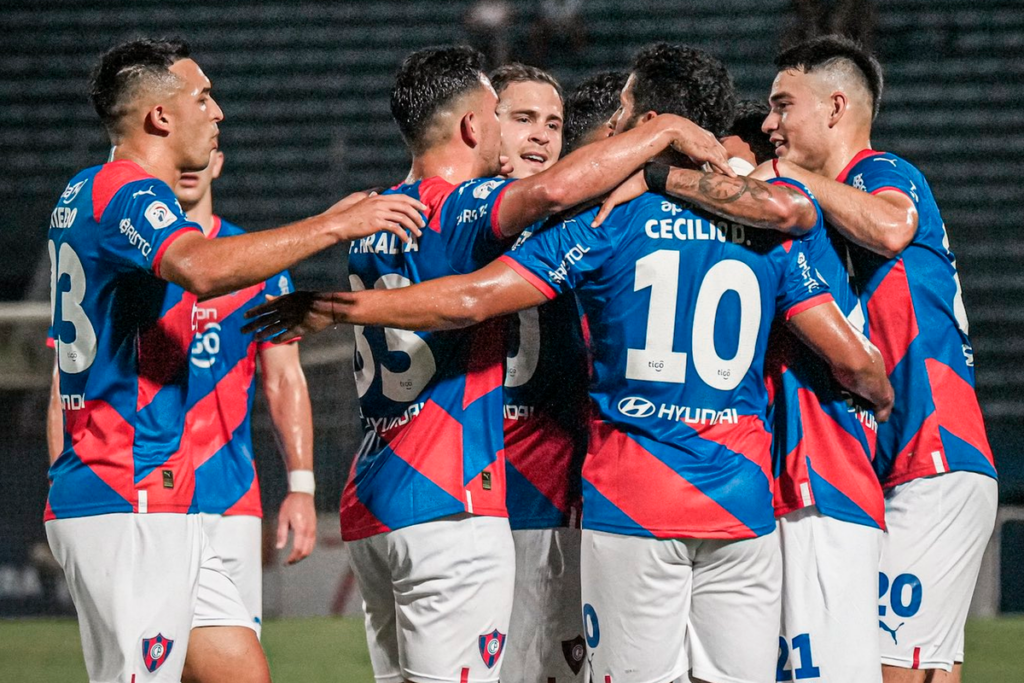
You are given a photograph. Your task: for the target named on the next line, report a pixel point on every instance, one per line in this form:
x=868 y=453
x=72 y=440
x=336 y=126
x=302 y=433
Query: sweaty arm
x=284 y=385
x=442 y=304
x=54 y=418
x=210 y=268
x=884 y=223
x=855 y=362
x=596 y=169
x=748 y=200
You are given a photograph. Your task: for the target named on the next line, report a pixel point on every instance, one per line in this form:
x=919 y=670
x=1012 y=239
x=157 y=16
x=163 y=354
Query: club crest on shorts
x=574 y=651
x=491 y=646
x=155 y=651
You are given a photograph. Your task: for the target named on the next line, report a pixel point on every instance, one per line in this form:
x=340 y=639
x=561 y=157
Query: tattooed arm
x=745 y=200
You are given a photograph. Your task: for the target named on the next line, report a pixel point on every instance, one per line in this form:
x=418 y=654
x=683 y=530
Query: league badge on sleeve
x=159 y=215
x=155 y=651
x=491 y=646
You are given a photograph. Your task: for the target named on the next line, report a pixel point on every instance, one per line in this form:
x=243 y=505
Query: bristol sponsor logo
x=858 y=182
x=159 y=215
x=484 y=190
x=71 y=191
x=469 y=215
x=572 y=257
x=634 y=406
x=805 y=270
x=134 y=238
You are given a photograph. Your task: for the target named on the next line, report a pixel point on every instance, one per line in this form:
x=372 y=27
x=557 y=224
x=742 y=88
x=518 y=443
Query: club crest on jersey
x=155 y=651
x=159 y=215
x=574 y=652
x=71 y=191
x=491 y=646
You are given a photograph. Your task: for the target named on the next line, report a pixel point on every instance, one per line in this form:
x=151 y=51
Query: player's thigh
x=369 y=558
x=546 y=630
x=735 y=615
x=225 y=654
x=938 y=528
x=238 y=541
x=133 y=579
x=636 y=596
x=453 y=581
x=829 y=590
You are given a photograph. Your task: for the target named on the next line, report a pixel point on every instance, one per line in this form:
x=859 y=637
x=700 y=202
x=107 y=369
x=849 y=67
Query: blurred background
x=304 y=88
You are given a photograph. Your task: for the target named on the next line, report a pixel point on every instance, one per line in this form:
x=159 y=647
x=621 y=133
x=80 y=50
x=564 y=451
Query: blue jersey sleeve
x=882 y=173
x=143 y=221
x=469 y=217
x=561 y=257
x=800 y=288
x=279 y=285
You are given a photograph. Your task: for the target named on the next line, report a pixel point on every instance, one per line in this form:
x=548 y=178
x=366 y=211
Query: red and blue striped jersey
x=221 y=391
x=916 y=318
x=430 y=402
x=679 y=306
x=823 y=438
x=121 y=336
x=546 y=406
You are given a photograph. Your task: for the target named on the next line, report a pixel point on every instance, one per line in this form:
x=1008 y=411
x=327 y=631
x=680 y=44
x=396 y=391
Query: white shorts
x=938 y=529
x=546 y=633
x=437 y=597
x=231 y=583
x=654 y=610
x=829 y=586
x=134 y=581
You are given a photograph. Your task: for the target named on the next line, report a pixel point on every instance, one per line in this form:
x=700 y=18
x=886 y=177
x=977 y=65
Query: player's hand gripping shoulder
x=698 y=144
x=362 y=214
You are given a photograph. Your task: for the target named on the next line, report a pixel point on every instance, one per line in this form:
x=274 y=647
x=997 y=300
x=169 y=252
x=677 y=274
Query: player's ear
x=158 y=120
x=217 y=162
x=839 y=104
x=468 y=128
x=648 y=116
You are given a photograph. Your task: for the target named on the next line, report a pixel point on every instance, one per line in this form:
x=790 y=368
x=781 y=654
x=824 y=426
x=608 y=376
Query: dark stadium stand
x=305 y=91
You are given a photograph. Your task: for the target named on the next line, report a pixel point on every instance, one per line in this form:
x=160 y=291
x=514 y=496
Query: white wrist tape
x=301 y=481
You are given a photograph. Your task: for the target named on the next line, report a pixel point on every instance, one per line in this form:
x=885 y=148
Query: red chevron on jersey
x=746 y=436
x=212 y=421
x=540 y=450
x=163 y=349
x=891 y=317
x=419 y=447
x=652 y=494
x=957 y=407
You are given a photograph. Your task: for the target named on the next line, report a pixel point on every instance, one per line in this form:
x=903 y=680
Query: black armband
x=656 y=176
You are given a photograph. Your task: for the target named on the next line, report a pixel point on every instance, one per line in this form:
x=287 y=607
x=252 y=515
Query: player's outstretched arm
x=441 y=304
x=747 y=200
x=598 y=168
x=284 y=384
x=855 y=362
x=213 y=267
x=884 y=223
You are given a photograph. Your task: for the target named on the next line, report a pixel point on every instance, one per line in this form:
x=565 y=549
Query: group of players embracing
x=693 y=401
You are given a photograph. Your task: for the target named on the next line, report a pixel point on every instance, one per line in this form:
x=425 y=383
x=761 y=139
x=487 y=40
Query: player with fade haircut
x=589 y=108
x=680 y=565
x=221 y=391
x=127 y=266
x=545 y=392
x=933 y=456
x=424 y=510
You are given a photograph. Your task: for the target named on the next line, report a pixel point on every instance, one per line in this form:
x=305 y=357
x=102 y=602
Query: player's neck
x=152 y=159
x=455 y=166
x=202 y=213
x=843 y=153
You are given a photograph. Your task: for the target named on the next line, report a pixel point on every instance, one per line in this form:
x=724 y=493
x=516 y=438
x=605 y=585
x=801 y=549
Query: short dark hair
x=746 y=125
x=428 y=80
x=121 y=71
x=673 y=79
x=506 y=75
x=825 y=51
x=591 y=104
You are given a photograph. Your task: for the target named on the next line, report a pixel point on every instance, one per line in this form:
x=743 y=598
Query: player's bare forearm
x=744 y=200
x=598 y=168
x=446 y=303
x=210 y=268
x=54 y=419
x=855 y=362
x=884 y=223
x=284 y=384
